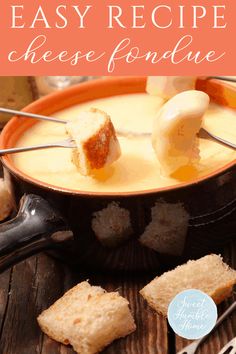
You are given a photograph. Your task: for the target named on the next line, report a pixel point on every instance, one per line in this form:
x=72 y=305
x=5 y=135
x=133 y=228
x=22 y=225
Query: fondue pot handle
x=37 y=227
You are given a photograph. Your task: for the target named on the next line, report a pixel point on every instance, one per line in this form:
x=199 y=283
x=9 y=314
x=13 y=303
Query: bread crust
x=88 y=318
x=160 y=291
x=98 y=146
x=101 y=148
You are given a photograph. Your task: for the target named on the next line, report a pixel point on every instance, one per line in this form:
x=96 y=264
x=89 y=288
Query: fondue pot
x=59 y=220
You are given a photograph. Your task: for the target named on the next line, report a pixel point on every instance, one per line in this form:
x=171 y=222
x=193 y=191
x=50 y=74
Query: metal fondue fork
x=193 y=347
x=68 y=143
x=31 y=115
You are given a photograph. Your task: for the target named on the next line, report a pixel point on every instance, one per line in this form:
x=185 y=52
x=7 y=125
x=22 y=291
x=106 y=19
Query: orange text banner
x=123 y=37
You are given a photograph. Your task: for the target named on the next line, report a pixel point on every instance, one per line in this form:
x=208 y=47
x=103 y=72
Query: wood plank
x=30 y=293
x=5 y=290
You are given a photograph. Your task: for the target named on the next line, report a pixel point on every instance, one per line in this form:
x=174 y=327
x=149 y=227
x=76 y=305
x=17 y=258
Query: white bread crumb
x=112 y=225
x=96 y=143
x=88 y=318
x=5 y=201
x=167 y=230
x=208 y=274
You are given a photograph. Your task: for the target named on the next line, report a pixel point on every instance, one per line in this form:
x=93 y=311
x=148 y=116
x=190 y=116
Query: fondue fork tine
x=32 y=115
x=67 y=143
x=125 y=133
x=206 y=134
x=55 y=120
x=61 y=121
x=203 y=132
x=223 y=78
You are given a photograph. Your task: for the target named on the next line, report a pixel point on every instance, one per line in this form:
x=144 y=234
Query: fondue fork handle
x=37 y=226
x=223 y=78
x=31 y=115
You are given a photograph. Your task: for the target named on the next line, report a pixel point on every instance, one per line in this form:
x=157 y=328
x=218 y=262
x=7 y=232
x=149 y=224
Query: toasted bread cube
x=88 y=318
x=5 y=201
x=96 y=143
x=169 y=86
x=208 y=274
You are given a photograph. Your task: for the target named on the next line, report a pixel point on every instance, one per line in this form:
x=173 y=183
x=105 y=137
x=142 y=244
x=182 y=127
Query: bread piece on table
x=16 y=92
x=112 y=225
x=96 y=143
x=5 y=201
x=167 y=230
x=88 y=318
x=208 y=274
x=169 y=86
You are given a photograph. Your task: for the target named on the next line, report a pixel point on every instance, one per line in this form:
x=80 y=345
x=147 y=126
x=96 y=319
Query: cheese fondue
x=138 y=168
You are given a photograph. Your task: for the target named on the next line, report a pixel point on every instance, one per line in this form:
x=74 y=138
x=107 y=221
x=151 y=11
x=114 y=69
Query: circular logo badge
x=192 y=314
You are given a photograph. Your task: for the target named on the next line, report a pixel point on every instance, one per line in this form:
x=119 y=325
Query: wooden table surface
x=33 y=285
x=36 y=283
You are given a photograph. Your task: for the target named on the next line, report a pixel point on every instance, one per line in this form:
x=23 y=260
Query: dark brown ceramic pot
x=49 y=215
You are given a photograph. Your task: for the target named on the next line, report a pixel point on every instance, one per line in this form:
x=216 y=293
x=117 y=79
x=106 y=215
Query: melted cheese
x=138 y=168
